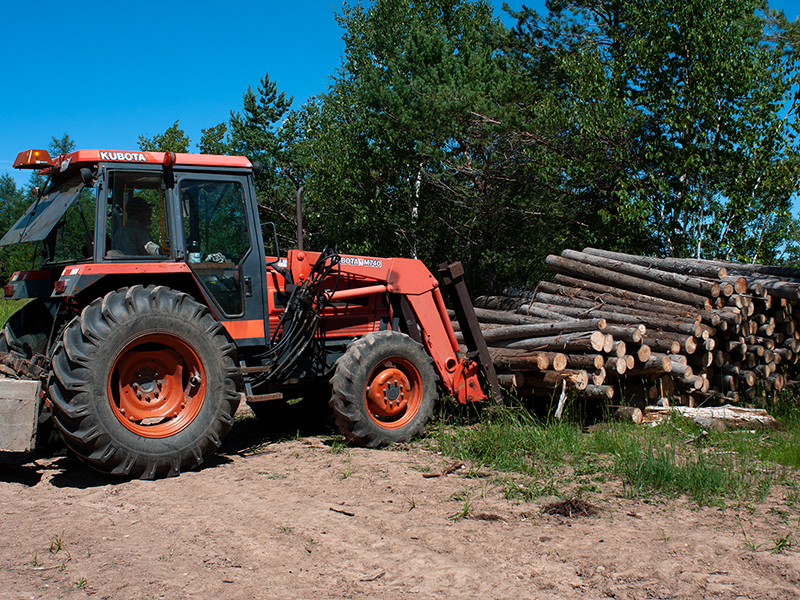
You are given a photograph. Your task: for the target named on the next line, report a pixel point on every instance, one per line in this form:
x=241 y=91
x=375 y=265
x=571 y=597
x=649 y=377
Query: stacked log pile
x=638 y=329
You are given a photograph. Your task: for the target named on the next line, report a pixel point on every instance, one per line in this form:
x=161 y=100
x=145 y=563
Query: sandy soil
x=300 y=519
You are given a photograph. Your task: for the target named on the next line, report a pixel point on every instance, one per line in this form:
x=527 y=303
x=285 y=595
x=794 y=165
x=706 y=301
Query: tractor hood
x=44 y=213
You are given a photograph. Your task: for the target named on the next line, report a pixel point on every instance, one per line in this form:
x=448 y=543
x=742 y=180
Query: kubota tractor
x=156 y=309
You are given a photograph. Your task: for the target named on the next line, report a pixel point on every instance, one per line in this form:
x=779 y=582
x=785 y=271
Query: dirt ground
x=302 y=519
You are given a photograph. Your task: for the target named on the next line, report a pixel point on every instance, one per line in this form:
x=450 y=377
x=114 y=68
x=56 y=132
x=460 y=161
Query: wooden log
x=777 y=381
x=730 y=416
x=585 y=361
x=511 y=380
x=609 y=295
x=632 y=334
x=569 y=342
x=629 y=413
x=599 y=391
x=498 y=302
x=695 y=285
x=684 y=267
x=606 y=276
x=528 y=310
x=616 y=364
x=578 y=378
x=690 y=383
x=663 y=345
x=602 y=307
x=579 y=312
x=599 y=376
x=504 y=317
x=642 y=353
x=687 y=342
x=537 y=361
x=657 y=363
x=738 y=284
x=517 y=332
x=777 y=288
x=682 y=370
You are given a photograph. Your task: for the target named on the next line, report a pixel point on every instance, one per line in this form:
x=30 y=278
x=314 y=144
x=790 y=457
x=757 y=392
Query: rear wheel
x=383 y=389
x=144 y=383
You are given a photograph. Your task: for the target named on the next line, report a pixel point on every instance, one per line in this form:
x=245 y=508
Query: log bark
x=569 y=342
x=694 y=269
x=730 y=416
x=517 y=332
x=606 y=276
x=504 y=317
x=691 y=284
x=629 y=413
x=585 y=361
x=599 y=391
x=529 y=362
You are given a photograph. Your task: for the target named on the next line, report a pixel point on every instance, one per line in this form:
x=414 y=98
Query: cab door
x=221 y=246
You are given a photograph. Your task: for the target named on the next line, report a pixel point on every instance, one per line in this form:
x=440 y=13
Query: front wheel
x=144 y=383
x=383 y=389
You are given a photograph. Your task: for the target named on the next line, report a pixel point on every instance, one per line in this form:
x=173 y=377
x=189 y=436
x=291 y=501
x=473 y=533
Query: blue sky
x=108 y=72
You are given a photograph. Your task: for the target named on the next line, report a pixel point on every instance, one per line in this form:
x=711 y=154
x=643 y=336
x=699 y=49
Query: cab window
x=136 y=215
x=216 y=237
x=72 y=239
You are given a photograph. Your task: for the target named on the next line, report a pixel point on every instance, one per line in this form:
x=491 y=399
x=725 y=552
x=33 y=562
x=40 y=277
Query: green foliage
x=174 y=139
x=13 y=203
x=683 y=107
x=664 y=128
x=425 y=166
x=62 y=145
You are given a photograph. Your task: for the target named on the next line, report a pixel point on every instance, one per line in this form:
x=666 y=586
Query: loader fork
x=477 y=350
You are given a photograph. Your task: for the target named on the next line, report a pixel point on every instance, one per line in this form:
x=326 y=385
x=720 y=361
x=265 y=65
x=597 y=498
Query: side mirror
x=274 y=236
x=86 y=176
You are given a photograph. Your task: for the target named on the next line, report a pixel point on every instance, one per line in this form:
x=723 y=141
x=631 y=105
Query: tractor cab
x=106 y=219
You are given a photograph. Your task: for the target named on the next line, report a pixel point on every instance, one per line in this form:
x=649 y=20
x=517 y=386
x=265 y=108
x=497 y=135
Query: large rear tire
x=145 y=383
x=383 y=389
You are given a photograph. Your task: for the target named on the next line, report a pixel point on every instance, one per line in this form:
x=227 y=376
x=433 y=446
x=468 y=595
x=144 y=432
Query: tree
x=13 y=202
x=255 y=132
x=418 y=116
x=62 y=145
x=686 y=103
x=174 y=139
x=213 y=140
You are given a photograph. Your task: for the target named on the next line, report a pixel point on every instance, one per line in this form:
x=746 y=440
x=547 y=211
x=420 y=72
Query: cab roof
x=40 y=159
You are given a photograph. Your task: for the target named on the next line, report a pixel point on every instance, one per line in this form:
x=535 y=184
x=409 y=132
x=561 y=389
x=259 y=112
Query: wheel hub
x=387 y=394
x=156 y=390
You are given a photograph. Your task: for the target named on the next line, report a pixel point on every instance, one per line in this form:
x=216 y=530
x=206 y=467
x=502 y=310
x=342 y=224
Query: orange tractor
x=156 y=310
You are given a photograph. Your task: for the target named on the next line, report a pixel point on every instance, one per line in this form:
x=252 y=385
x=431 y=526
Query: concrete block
x=19 y=412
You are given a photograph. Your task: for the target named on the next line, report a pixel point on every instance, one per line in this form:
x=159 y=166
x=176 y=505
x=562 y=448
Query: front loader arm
x=412 y=281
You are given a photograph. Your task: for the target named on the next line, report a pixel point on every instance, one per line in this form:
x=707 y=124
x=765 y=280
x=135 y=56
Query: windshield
x=42 y=216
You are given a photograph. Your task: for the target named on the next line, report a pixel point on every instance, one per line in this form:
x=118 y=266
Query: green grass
x=535 y=458
x=8 y=308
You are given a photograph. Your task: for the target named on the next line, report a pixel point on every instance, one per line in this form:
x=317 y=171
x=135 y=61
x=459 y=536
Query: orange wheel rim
x=157 y=385
x=394 y=393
